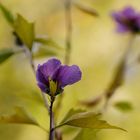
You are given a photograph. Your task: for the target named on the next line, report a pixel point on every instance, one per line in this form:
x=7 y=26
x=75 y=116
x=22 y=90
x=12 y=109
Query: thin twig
x=68 y=24
x=51 y=134
x=68 y=43
x=120 y=74
x=68 y=40
x=30 y=57
x=117 y=81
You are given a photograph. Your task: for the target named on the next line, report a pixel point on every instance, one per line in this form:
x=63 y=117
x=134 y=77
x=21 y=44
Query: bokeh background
x=96 y=48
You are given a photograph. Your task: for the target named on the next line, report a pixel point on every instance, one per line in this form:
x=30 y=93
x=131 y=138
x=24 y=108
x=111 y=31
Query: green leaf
x=87 y=120
x=124 y=106
x=86 y=9
x=9 y=17
x=48 y=42
x=14 y=131
x=24 y=30
x=20 y=115
x=23 y=108
x=86 y=134
x=71 y=113
x=92 y=102
x=5 y=54
x=42 y=51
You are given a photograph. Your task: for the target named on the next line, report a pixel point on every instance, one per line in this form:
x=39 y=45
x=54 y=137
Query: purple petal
x=127 y=20
x=122 y=28
x=42 y=87
x=117 y=16
x=68 y=75
x=49 y=68
x=39 y=76
x=129 y=12
x=138 y=21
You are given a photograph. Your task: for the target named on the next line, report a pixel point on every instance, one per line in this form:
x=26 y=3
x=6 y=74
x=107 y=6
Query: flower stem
x=51 y=134
x=30 y=57
x=68 y=23
x=120 y=74
x=68 y=42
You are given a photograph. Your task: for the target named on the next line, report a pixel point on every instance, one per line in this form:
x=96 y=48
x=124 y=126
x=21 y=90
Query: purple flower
x=128 y=20
x=52 y=77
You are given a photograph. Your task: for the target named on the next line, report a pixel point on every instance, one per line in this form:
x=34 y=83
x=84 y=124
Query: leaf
x=87 y=120
x=24 y=30
x=124 y=106
x=42 y=51
x=86 y=9
x=71 y=113
x=48 y=42
x=5 y=54
x=21 y=108
x=18 y=41
x=19 y=91
x=9 y=17
x=21 y=132
x=20 y=116
x=92 y=102
x=86 y=134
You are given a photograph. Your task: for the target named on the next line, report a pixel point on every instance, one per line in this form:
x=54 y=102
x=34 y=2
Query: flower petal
x=49 y=68
x=40 y=77
x=68 y=75
x=127 y=20
x=117 y=16
x=129 y=12
x=122 y=29
x=42 y=87
x=138 y=21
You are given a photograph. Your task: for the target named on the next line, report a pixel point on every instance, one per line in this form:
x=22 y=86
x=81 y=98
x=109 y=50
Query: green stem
x=68 y=42
x=119 y=77
x=51 y=134
x=68 y=23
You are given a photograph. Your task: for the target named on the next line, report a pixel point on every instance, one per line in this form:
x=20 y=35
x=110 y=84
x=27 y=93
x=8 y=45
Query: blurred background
x=96 y=49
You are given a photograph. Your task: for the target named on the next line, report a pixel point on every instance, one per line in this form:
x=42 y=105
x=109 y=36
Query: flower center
x=53 y=87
